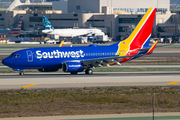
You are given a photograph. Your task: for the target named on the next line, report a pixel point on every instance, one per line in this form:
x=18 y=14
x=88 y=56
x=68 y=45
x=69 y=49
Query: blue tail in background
x=47 y=24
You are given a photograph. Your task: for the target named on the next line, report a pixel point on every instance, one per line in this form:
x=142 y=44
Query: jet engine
x=73 y=67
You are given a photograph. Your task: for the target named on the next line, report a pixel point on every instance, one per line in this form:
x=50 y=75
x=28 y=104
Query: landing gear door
x=29 y=56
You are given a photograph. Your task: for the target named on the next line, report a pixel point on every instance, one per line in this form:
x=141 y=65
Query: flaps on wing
x=107 y=58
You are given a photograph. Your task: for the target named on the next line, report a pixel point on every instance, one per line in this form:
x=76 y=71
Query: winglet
x=152 y=48
x=61 y=45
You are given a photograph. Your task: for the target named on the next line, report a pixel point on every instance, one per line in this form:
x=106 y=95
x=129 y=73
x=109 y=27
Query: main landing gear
x=21 y=73
x=88 y=72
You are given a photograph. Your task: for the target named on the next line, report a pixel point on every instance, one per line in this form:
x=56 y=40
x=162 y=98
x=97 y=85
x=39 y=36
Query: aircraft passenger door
x=29 y=56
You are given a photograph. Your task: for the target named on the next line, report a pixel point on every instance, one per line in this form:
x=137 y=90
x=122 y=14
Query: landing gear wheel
x=88 y=72
x=74 y=73
x=21 y=73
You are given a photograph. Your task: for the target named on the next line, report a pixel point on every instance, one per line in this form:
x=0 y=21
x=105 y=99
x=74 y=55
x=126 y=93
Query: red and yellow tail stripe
x=139 y=36
x=61 y=45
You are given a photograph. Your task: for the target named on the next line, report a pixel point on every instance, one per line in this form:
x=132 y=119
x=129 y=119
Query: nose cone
x=6 y=61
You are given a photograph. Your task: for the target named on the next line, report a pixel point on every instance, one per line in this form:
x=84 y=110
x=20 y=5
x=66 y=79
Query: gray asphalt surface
x=98 y=79
x=62 y=80
x=99 y=117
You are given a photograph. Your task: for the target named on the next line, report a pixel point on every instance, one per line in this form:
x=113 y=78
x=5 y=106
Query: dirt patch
x=113 y=100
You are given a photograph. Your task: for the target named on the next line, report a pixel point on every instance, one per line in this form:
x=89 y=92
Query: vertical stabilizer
x=140 y=37
x=47 y=24
x=18 y=24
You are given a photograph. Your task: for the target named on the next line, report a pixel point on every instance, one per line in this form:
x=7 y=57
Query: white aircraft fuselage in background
x=72 y=32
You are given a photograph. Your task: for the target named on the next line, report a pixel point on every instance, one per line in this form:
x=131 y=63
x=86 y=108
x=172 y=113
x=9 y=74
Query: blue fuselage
x=53 y=57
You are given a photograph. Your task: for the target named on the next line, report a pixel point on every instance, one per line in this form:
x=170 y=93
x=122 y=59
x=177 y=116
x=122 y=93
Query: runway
x=98 y=79
x=105 y=79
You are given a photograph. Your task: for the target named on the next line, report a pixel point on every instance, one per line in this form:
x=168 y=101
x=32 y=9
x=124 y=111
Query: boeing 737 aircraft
x=15 y=31
x=79 y=59
x=49 y=29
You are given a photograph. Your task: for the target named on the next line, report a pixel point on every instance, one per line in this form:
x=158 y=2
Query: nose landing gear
x=21 y=72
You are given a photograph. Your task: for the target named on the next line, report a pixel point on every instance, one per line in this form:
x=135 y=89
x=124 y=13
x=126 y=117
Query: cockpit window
x=13 y=55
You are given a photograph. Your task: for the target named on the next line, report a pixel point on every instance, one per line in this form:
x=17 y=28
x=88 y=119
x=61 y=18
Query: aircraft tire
x=21 y=73
x=88 y=72
x=74 y=73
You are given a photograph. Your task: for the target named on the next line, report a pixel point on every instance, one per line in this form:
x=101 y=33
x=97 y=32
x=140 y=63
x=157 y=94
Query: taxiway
x=98 y=79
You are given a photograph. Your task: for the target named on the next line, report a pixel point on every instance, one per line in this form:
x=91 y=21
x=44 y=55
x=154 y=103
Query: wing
x=105 y=61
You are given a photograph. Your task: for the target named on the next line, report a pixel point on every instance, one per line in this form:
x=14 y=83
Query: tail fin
x=140 y=37
x=61 y=45
x=18 y=24
x=47 y=24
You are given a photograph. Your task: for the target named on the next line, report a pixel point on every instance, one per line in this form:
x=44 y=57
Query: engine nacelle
x=73 y=67
x=48 y=70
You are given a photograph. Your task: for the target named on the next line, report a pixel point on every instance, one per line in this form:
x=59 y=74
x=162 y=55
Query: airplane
x=15 y=31
x=49 y=29
x=78 y=59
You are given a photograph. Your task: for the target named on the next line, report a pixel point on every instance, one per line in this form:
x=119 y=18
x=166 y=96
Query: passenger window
x=16 y=55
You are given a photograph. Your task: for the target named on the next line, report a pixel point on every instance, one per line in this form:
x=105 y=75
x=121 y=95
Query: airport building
x=117 y=18
x=131 y=6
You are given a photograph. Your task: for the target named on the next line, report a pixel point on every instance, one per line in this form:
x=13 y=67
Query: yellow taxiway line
x=171 y=83
x=28 y=85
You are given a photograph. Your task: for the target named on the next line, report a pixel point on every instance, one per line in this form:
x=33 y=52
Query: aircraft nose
x=6 y=61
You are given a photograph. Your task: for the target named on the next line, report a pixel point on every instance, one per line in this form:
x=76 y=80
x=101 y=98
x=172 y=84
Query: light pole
x=153 y=103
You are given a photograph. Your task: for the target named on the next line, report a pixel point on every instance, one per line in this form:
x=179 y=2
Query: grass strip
x=136 y=118
x=114 y=100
